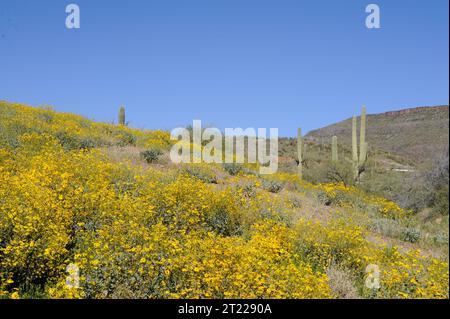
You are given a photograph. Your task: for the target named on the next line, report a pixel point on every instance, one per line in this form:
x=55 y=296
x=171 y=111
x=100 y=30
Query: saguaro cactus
x=334 y=149
x=354 y=148
x=359 y=159
x=362 y=137
x=299 y=152
x=354 y=141
x=122 y=116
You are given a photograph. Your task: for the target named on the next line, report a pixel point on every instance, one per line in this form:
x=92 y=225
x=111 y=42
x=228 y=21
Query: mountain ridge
x=416 y=133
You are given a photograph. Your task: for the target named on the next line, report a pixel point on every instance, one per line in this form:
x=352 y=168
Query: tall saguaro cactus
x=362 y=137
x=354 y=141
x=359 y=159
x=334 y=149
x=122 y=115
x=299 y=152
x=355 y=159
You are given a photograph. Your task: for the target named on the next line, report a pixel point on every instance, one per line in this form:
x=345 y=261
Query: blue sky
x=229 y=63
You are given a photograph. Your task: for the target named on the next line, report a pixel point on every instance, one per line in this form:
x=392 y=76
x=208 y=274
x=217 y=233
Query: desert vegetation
x=105 y=199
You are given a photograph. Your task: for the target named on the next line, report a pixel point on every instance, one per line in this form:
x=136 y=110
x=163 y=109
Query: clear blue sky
x=229 y=63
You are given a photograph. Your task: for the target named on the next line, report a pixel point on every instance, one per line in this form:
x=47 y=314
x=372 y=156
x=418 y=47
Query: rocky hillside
x=416 y=133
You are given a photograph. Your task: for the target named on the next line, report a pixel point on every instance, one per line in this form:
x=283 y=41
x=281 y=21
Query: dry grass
x=125 y=154
x=341 y=283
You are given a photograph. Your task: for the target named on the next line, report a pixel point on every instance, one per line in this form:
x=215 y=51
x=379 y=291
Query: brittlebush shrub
x=147 y=234
x=41 y=198
x=352 y=197
x=233 y=168
x=136 y=232
x=411 y=275
x=156 y=262
x=336 y=243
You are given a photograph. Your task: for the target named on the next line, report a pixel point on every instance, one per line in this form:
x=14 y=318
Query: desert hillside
x=96 y=210
x=406 y=148
x=415 y=133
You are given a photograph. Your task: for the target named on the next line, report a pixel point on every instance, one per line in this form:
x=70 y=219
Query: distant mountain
x=415 y=133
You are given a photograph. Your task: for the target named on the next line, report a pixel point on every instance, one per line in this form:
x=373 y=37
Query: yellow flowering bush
x=336 y=242
x=412 y=275
x=351 y=196
x=134 y=231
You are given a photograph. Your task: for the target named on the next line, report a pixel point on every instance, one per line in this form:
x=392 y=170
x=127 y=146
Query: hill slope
x=77 y=198
x=416 y=133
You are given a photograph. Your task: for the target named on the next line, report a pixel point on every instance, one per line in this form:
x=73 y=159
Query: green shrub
x=233 y=168
x=441 y=239
x=339 y=173
x=201 y=172
x=249 y=190
x=411 y=235
x=440 y=202
x=126 y=139
x=71 y=142
x=295 y=201
x=324 y=199
x=437 y=181
x=9 y=135
x=273 y=186
x=88 y=143
x=67 y=141
x=151 y=155
x=337 y=200
x=220 y=221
